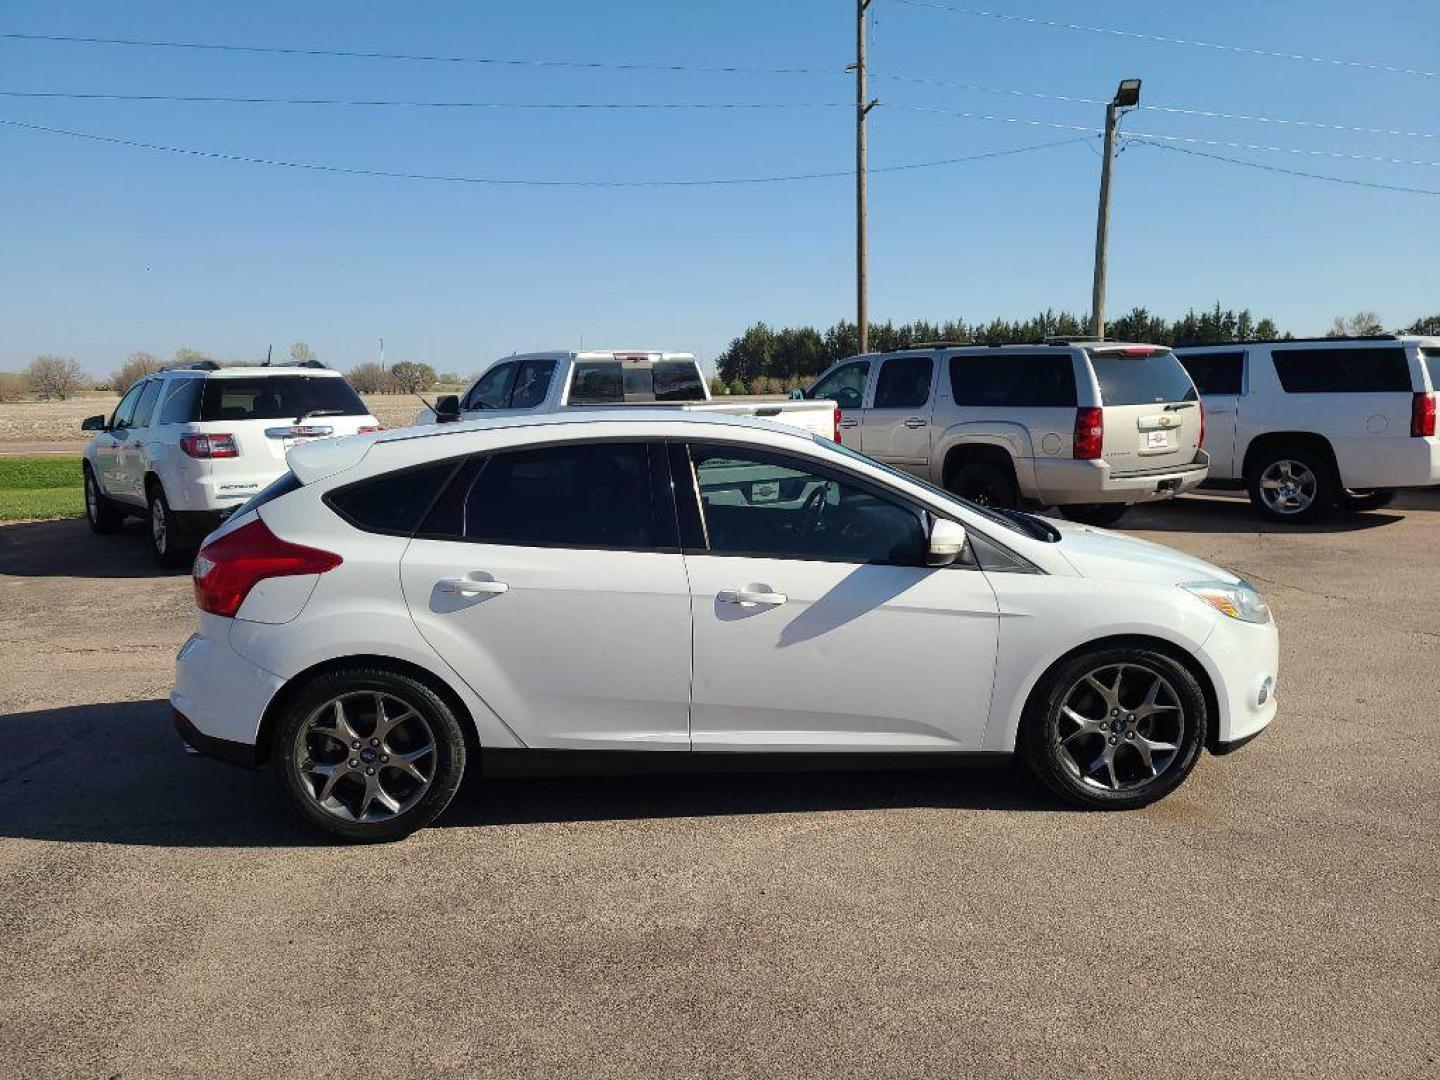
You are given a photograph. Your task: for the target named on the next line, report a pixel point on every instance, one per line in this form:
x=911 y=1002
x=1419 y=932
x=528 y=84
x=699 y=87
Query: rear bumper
x=220 y=694
x=232 y=753
x=1407 y=462
x=1065 y=481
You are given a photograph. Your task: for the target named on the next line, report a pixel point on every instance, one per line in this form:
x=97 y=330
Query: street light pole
x=1126 y=97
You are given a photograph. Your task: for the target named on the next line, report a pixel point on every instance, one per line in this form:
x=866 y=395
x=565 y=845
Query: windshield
x=1141 y=380
x=940 y=493
x=279 y=397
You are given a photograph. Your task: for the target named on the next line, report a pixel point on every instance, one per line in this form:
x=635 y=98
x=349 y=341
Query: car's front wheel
x=103 y=515
x=1115 y=728
x=369 y=754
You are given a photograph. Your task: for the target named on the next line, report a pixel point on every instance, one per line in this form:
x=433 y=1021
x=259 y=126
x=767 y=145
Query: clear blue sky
x=105 y=249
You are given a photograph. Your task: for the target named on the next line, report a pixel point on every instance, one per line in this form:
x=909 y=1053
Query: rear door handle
x=849 y=423
x=749 y=596
x=915 y=422
x=465 y=586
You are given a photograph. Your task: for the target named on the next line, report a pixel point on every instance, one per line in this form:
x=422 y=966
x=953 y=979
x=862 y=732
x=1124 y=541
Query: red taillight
x=1089 y=433
x=1201 y=444
x=1422 y=415
x=209 y=446
x=228 y=568
x=836 y=419
x=1138 y=350
x=370 y=429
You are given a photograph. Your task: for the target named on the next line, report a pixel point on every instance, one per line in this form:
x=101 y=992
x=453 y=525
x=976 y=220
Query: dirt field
x=164 y=916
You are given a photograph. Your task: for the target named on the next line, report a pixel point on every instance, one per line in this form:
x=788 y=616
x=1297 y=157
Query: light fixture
x=1128 y=95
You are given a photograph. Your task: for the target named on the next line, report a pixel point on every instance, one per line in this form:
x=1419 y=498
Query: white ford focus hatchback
x=533 y=588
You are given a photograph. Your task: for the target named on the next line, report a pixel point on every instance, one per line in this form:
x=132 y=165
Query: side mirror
x=447 y=409
x=93 y=423
x=797 y=394
x=947 y=541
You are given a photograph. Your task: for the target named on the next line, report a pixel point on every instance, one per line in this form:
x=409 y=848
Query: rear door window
x=904 y=382
x=532 y=383
x=278 y=397
x=1216 y=373
x=845 y=385
x=1141 y=380
x=1358 y=370
x=145 y=407
x=1033 y=380
x=182 y=406
x=393 y=502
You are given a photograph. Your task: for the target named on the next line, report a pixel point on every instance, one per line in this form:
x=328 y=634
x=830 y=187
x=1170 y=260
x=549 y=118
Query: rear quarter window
x=182 y=406
x=1431 y=359
x=1216 y=372
x=1141 y=380
x=1379 y=370
x=394 y=502
x=1038 y=380
x=278 y=397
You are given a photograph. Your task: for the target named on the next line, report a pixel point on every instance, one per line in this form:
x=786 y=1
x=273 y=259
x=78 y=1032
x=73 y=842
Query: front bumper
x=1243 y=661
x=219 y=695
x=1065 y=482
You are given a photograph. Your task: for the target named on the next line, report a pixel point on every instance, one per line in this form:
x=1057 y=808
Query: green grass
x=40 y=487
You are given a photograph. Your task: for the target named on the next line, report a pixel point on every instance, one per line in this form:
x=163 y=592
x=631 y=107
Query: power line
x=1279 y=169
x=1210 y=114
x=412 y=57
x=213 y=98
x=1166 y=40
x=714 y=182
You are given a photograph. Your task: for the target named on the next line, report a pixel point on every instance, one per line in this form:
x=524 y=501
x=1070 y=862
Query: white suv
x=1308 y=425
x=668 y=589
x=1088 y=426
x=187 y=445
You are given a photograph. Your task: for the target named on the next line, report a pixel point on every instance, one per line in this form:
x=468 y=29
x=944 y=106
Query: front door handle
x=849 y=423
x=915 y=422
x=465 y=586
x=744 y=597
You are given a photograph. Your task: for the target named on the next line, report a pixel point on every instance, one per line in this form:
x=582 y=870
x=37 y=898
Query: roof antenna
x=268 y=350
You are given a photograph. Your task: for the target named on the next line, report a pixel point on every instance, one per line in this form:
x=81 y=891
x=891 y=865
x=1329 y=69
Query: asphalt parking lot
x=163 y=915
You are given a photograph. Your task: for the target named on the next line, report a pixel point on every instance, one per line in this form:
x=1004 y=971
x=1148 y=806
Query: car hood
x=1099 y=553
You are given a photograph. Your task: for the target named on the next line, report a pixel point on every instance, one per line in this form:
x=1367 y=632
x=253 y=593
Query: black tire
x=1318 y=498
x=171 y=547
x=1355 y=502
x=446 y=766
x=1101 y=515
x=987 y=483
x=1042 y=728
x=102 y=514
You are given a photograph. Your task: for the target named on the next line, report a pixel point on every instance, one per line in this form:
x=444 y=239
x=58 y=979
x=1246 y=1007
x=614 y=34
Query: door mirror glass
x=947 y=541
x=447 y=409
x=93 y=423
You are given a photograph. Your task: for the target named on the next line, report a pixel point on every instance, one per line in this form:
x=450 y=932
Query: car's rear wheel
x=986 y=483
x=369 y=754
x=171 y=547
x=1353 y=501
x=1115 y=728
x=1098 y=514
x=103 y=515
x=1294 y=484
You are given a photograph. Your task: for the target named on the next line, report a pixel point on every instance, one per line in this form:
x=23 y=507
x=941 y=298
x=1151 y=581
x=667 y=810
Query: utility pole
x=1126 y=97
x=862 y=107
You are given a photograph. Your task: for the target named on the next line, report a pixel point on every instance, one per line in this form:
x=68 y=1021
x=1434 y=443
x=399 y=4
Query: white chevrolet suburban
x=1091 y=427
x=187 y=445
x=1310 y=425
x=556 y=382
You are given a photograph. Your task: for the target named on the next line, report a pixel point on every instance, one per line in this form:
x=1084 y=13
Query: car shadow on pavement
x=1216 y=512
x=68 y=548
x=117 y=774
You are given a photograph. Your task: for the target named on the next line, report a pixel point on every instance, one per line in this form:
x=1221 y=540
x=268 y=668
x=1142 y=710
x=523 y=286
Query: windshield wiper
x=319 y=412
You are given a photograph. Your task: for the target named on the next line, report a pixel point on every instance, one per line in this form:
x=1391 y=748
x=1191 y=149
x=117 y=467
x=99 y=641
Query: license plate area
x=1160 y=440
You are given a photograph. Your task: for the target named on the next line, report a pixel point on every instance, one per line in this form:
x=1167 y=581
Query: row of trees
x=765 y=359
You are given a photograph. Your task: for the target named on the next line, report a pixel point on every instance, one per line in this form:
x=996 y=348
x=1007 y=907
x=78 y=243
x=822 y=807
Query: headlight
x=1239 y=601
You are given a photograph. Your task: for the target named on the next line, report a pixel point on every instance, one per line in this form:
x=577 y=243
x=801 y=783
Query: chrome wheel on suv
x=1288 y=487
x=1291 y=483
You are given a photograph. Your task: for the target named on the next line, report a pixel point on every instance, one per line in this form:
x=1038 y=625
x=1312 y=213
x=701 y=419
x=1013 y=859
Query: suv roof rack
x=935 y=345
x=201 y=365
x=1290 y=341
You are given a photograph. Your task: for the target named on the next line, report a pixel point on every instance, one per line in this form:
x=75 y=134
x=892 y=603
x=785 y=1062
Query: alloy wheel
x=1120 y=727
x=365 y=756
x=1288 y=486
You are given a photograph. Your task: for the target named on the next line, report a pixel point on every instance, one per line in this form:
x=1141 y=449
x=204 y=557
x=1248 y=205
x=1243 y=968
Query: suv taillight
x=370 y=429
x=1089 y=433
x=209 y=446
x=1201 y=444
x=1422 y=415
x=228 y=568
x=836 y=419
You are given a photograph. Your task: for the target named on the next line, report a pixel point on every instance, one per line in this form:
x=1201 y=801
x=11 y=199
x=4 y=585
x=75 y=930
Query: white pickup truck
x=550 y=382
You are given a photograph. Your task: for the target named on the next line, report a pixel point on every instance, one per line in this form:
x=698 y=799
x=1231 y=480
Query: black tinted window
x=532 y=383
x=393 y=502
x=1360 y=370
x=593 y=495
x=1431 y=359
x=845 y=385
x=491 y=390
x=145 y=407
x=126 y=409
x=1038 y=380
x=283 y=484
x=183 y=403
x=904 y=382
x=1217 y=372
x=278 y=397
x=775 y=506
x=1146 y=379
x=597 y=383
x=678 y=380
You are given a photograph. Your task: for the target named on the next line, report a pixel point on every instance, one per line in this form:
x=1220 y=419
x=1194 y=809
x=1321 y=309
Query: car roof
x=565 y=423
